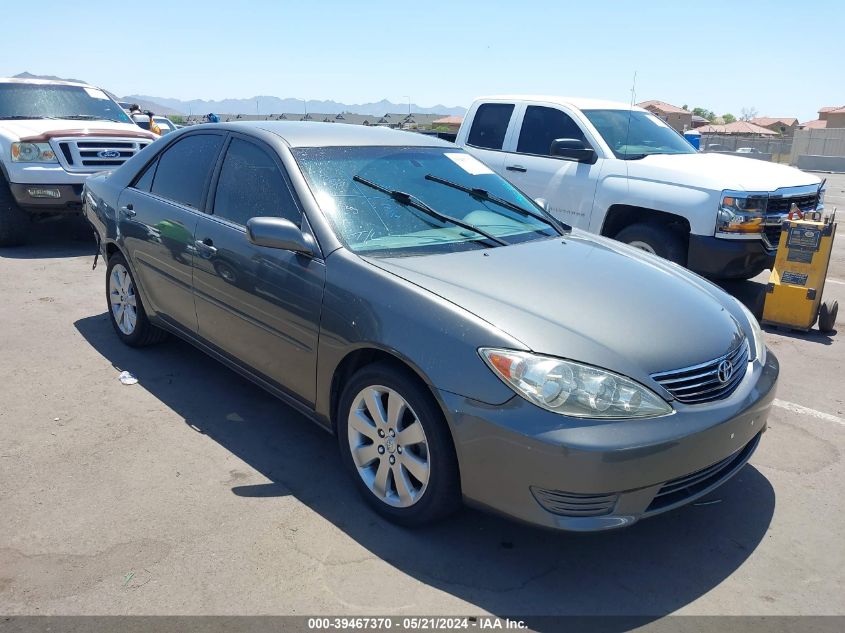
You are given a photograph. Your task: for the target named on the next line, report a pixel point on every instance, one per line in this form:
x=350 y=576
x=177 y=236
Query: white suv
x=53 y=134
x=622 y=172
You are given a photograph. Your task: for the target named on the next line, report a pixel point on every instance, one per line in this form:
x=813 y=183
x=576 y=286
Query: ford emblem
x=109 y=153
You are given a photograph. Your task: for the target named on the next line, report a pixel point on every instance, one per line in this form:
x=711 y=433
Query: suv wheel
x=655 y=239
x=396 y=444
x=126 y=311
x=14 y=221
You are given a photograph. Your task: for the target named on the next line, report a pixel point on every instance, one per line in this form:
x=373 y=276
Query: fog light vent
x=40 y=192
x=574 y=505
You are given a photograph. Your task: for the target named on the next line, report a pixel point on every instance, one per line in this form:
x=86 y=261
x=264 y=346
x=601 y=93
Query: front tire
x=397 y=446
x=656 y=239
x=14 y=221
x=126 y=310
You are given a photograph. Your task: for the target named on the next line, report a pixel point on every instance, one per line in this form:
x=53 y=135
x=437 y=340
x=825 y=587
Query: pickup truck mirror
x=572 y=149
x=279 y=233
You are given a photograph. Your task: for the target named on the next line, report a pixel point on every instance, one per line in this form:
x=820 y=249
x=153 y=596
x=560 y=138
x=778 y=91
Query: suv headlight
x=573 y=389
x=33 y=153
x=741 y=213
x=756 y=334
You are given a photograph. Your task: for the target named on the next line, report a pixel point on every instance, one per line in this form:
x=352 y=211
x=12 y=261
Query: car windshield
x=51 y=101
x=370 y=221
x=632 y=135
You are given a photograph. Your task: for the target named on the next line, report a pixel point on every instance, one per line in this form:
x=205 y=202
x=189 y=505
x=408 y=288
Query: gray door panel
x=158 y=236
x=258 y=304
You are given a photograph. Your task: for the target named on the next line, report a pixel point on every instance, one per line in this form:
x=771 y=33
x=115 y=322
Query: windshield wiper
x=19 y=117
x=483 y=194
x=412 y=201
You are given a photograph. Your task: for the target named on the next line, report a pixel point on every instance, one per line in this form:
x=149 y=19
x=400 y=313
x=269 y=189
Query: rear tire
x=14 y=221
x=126 y=310
x=656 y=239
x=828 y=312
x=404 y=465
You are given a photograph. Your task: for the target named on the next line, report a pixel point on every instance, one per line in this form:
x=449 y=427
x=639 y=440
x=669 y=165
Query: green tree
x=729 y=118
x=704 y=113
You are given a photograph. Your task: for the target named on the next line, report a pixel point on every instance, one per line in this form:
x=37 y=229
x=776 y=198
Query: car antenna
x=630 y=112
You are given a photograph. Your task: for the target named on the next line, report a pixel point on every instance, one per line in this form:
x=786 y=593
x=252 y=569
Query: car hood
x=66 y=127
x=718 y=172
x=585 y=298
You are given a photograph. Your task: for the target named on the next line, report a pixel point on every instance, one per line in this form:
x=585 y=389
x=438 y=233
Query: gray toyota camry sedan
x=460 y=342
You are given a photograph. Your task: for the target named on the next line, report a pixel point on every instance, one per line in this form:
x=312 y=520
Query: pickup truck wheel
x=14 y=221
x=397 y=446
x=126 y=310
x=655 y=239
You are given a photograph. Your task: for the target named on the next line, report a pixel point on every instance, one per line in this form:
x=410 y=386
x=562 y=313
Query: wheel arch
x=362 y=356
x=620 y=216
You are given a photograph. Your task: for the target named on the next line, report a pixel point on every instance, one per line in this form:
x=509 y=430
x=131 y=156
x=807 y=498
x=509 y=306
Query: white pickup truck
x=53 y=135
x=619 y=171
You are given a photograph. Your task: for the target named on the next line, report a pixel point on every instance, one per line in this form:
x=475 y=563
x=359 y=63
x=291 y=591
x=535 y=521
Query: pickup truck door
x=258 y=305
x=568 y=187
x=156 y=219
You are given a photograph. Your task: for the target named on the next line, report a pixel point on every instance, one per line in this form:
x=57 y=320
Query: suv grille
x=87 y=154
x=706 y=382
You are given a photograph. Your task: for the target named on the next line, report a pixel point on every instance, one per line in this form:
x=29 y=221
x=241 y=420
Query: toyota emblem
x=725 y=371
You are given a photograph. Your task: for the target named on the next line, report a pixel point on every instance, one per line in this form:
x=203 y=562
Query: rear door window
x=541 y=126
x=490 y=125
x=185 y=167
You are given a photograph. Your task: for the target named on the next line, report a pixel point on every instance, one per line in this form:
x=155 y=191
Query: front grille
x=678 y=490
x=782 y=204
x=82 y=154
x=704 y=383
x=574 y=505
x=772 y=234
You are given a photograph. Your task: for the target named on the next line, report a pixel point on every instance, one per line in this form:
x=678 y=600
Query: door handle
x=518 y=168
x=129 y=211
x=206 y=247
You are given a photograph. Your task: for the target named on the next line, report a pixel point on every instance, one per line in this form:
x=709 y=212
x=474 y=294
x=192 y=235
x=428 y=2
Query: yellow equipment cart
x=794 y=293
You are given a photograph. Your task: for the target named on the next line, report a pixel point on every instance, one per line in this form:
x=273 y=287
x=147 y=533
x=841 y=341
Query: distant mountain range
x=265 y=104
x=277 y=105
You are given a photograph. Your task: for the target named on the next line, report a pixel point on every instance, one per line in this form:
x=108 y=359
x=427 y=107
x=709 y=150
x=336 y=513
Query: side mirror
x=573 y=149
x=279 y=233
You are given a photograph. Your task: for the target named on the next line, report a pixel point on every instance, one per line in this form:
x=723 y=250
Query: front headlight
x=756 y=334
x=573 y=389
x=33 y=153
x=820 y=203
x=741 y=213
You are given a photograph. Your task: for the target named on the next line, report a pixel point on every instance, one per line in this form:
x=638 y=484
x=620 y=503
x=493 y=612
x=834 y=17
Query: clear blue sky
x=783 y=58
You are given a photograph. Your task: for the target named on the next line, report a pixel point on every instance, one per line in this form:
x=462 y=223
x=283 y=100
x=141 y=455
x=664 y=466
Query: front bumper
x=719 y=258
x=587 y=475
x=32 y=197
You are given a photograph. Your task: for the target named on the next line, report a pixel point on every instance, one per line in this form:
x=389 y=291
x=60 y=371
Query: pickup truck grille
x=86 y=154
x=709 y=381
x=776 y=211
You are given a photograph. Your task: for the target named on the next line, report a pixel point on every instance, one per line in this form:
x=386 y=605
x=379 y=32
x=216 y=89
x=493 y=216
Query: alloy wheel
x=389 y=447
x=124 y=303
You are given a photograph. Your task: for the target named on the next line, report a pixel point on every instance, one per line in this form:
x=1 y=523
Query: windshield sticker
x=470 y=164
x=97 y=94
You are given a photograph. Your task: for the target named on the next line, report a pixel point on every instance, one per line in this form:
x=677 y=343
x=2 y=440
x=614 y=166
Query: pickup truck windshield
x=369 y=221
x=50 y=101
x=642 y=136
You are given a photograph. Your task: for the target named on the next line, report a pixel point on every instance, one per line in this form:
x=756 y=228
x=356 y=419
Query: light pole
x=409 y=104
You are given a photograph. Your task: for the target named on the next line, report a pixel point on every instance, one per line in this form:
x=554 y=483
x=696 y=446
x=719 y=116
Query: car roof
x=322 y=134
x=579 y=103
x=44 y=82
